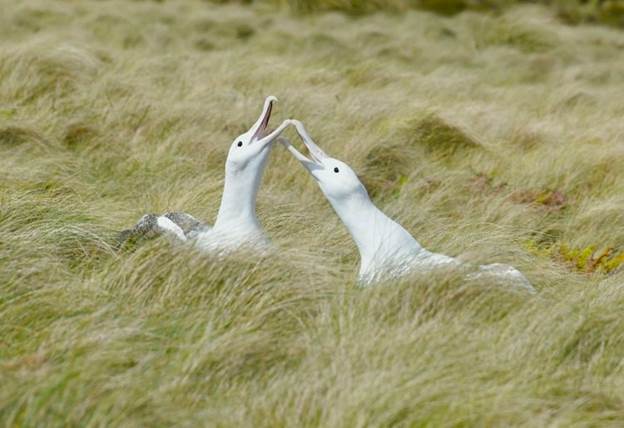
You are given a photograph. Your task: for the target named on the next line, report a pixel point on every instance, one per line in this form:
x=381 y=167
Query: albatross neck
x=379 y=239
x=238 y=203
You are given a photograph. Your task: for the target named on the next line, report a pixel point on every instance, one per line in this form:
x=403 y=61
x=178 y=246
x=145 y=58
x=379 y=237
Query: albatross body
x=237 y=224
x=386 y=249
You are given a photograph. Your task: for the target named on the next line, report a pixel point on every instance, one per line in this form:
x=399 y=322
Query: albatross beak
x=316 y=153
x=259 y=129
x=310 y=164
x=301 y=158
x=318 y=156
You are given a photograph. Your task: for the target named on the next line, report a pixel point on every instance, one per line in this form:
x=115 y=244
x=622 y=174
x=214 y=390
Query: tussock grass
x=494 y=138
x=610 y=12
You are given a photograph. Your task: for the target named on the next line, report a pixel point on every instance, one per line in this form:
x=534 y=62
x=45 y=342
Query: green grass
x=496 y=138
x=610 y=12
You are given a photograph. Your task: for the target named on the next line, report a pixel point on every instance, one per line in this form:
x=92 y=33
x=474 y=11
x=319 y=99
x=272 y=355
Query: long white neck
x=382 y=242
x=238 y=203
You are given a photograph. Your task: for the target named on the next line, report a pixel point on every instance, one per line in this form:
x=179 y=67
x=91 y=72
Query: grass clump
x=606 y=11
x=388 y=166
x=609 y=12
x=14 y=136
x=437 y=136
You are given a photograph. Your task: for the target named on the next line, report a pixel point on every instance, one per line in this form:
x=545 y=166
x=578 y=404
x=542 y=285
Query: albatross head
x=250 y=150
x=335 y=178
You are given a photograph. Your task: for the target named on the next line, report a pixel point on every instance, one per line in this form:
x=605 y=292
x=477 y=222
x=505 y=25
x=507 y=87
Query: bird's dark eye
x=336 y=170
x=240 y=144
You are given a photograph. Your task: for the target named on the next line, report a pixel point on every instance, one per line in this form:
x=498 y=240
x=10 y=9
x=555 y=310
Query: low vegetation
x=495 y=137
x=610 y=12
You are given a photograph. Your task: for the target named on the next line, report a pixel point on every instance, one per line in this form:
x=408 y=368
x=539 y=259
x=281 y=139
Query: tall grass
x=493 y=138
x=609 y=12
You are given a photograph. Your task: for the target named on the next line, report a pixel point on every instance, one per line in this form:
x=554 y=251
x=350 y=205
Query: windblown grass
x=496 y=138
x=610 y=12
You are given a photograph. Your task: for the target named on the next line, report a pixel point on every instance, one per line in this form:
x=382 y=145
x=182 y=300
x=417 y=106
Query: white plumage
x=237 y=224
x=386 y=248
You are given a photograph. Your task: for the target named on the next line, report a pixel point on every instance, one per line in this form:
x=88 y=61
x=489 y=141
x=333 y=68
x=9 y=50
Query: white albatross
x=386 y=249
x=237 y=224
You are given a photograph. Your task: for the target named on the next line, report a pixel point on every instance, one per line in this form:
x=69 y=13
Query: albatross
x=236 y=224
x=386 y=249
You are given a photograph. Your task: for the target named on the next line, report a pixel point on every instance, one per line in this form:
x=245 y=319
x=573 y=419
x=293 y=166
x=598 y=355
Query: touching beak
x=309 y=164
x=316 y=154
x=259 y=129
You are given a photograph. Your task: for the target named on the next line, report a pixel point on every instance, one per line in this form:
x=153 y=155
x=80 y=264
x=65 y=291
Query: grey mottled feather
x=147 y=227
x=189 y=224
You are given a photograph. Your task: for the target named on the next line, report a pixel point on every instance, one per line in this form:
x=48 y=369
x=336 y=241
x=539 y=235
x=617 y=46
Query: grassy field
x=497 y=138
x=610 y=12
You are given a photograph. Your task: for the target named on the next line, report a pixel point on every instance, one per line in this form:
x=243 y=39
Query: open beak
x=315 y=162
x=308 y=163
x=259 y=129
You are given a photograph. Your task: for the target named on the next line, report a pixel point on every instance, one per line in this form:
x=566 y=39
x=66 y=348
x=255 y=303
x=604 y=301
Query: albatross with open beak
x=386 y=248
x=236 y=224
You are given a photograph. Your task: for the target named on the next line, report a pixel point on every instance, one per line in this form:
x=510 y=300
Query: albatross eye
x=240 y=144
x=336 y=170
